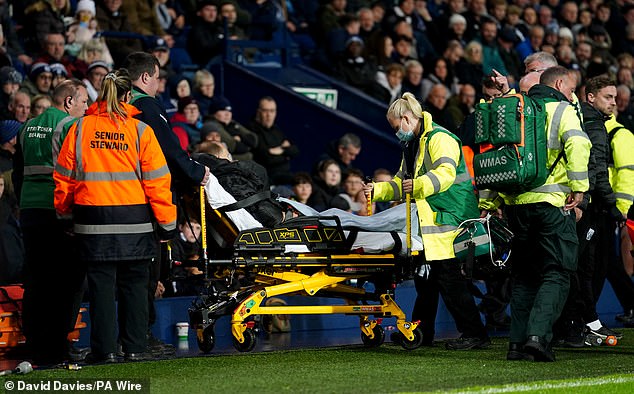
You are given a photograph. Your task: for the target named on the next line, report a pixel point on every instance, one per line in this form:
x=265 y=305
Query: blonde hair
x=404 y=105
x=114 y=87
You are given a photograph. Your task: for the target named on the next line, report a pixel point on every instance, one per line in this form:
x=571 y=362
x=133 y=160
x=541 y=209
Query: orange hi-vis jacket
x=113 y=178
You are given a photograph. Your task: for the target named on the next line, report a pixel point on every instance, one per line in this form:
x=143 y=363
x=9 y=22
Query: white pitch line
x=556 y=385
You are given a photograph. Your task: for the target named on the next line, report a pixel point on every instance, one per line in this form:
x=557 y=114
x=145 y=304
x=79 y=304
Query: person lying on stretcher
x=374 y=235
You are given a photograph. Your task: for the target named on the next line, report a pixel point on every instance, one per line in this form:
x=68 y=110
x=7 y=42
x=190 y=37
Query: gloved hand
x=617 y=216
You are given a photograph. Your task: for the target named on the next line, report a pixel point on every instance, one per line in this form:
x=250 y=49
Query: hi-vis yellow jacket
x=622 y=168
x=442 y=190
x=564 y=131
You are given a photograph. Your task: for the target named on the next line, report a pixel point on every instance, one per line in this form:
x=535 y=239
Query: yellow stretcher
x=261 y=261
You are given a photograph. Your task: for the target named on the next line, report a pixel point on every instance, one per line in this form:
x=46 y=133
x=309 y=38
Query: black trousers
x=545 y=256
x=127 y=282
x=445 y=279
x=592 y=265
x=53 y=285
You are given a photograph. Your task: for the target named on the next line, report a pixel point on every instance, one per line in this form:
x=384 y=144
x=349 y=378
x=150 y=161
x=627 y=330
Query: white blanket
x=375 y=239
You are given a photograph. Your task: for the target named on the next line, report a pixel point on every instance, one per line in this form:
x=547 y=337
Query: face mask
x=404 y=136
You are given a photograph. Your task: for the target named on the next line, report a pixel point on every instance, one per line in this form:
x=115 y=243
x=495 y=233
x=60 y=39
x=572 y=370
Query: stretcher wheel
x=249 y=341
x=415 y=343
x=207 y=340
x=379 y=337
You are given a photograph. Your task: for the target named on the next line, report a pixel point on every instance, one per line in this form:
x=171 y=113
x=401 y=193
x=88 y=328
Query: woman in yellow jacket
x=433 y=170
x=112 y=177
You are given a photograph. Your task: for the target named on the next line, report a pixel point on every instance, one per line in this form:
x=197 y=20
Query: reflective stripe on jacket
x=442 y=190
x=622 y=171
x=41 y=139
x=113 y=177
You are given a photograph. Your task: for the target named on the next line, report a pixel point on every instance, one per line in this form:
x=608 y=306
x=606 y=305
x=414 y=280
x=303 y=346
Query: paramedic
x=112 y=177
x=543 y=221
x=443 y=194
x=144 y=72
x=48 y=320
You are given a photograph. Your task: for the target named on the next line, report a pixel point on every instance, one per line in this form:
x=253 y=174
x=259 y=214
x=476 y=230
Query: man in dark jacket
x=274 y=151
x=204 y=41
x=144 y=72
x=596 y=223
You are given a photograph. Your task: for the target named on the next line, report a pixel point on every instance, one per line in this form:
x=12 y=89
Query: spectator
x=507 y=39
x=83 y=28
x=95 y=74
x=491 y=58
x=327 y=187
x=439 y=74
x=343 y=151
x=274 y=150
x=436 y=105
x=187 y=122
x=161 y=51
x=40 y=79
x=392 y=80
x=20 y=106
x=458 y=107
x=204 y=41
x=413 y=78
x=475 y=13
x=171 y=17
x=8 y=138
x=94 y=50
x=111 y=18
x=53 y=46
x=624 y=107
x=228 y=12
x=10 y=80
x=328 y=16
x=355 y=70
x=39 y=104
x=266 y=18
x=179 y=88
x=244 y=139
x=457 y=29
x=45 y=17
x=143 y=19
x=14 y=48
x=302 y=186
x=185 y=279
x=203 y=91
x=59 y=75
x=353 y=192
x=471 y=70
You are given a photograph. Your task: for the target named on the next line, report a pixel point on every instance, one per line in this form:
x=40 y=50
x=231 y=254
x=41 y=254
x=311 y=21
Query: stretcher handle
x=408 y=220
x=203 y=226
x=369 y=197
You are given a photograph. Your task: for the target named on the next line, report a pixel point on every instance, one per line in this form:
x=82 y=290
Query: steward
x=40 y=140
x=112 y=176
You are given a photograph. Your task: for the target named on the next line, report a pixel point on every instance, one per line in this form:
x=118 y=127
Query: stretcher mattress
x=373 y=233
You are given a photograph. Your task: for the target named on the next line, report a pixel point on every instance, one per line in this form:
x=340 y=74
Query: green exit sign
x=327 y=97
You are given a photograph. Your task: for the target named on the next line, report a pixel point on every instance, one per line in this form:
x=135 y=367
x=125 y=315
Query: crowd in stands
x=440 y=51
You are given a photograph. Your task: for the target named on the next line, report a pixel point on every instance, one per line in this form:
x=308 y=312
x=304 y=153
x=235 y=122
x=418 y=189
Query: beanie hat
x=221 y=104
x=204 y=3
x=39 y=68
x=58 y=69
x=86 y=5
x=98 y=63
x=9 y=74
x=9 y=129
x=184 y=102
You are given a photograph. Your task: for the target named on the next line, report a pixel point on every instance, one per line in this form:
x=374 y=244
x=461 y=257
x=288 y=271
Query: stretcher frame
x=326 y=271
